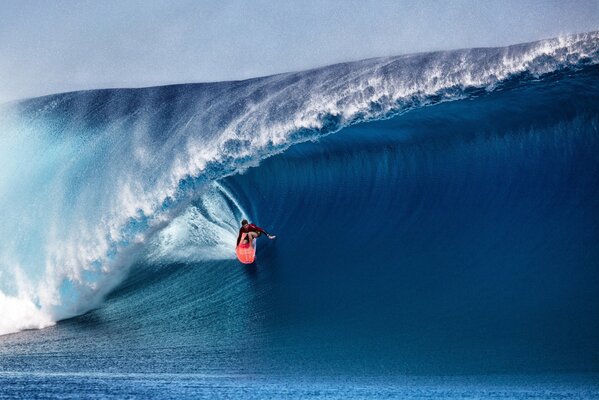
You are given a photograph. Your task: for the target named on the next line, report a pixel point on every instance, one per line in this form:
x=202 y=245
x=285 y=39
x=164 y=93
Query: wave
x=95 y=181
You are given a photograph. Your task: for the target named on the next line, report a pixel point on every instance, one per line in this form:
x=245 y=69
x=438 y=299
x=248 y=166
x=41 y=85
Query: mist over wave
x=94 y=182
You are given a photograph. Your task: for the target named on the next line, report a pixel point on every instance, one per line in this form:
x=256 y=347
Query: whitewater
x=96 y=182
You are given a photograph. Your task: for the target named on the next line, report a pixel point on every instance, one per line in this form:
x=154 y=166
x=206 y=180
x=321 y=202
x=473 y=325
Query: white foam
x=19 y=314
x=199 y=234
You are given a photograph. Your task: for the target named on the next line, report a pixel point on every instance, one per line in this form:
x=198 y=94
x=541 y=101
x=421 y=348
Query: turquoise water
x=258 y=387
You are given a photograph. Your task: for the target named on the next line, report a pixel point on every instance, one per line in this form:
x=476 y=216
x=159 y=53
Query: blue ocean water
x=437 y=222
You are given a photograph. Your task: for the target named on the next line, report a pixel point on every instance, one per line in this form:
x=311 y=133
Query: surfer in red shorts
x=252 y=231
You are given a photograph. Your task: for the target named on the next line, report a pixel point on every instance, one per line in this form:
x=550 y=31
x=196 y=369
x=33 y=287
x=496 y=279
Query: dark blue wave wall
x=93 y=180
x=459 y=237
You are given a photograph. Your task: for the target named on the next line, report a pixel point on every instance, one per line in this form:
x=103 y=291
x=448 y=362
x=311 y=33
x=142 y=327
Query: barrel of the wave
x=246 y=252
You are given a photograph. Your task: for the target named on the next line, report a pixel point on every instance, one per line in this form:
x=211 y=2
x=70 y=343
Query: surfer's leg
x=251 y=236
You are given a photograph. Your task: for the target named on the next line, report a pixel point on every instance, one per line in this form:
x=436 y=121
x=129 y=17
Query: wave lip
x=119 y=165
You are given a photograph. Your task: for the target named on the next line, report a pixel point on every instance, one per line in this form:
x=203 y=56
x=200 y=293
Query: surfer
x=251 y=232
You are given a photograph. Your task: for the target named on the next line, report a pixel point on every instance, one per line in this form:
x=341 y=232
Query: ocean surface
x=437 y=222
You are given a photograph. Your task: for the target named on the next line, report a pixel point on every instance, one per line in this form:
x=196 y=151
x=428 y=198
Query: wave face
x=455 y=208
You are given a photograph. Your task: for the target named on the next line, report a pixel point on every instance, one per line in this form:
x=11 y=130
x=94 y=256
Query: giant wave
x=96 y=182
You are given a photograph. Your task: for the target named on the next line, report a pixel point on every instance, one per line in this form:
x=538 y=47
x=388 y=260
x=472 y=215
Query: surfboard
x=246 y=255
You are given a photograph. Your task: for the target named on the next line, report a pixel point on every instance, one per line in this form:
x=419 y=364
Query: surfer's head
x=244 y=222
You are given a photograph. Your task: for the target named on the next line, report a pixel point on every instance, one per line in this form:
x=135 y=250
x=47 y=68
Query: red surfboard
x=246 y=252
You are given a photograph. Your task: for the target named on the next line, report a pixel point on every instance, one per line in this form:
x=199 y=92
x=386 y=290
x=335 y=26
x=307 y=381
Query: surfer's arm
x=256 y=228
